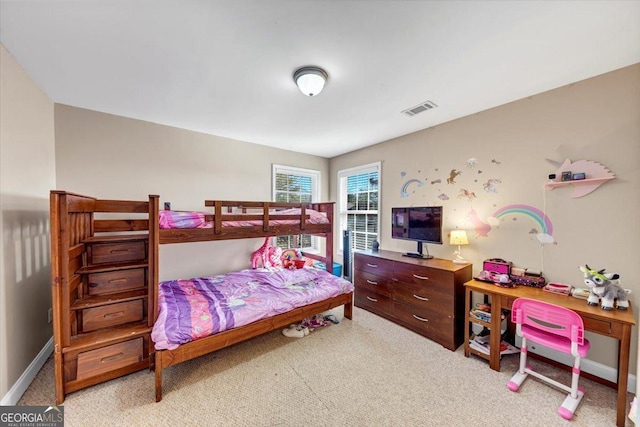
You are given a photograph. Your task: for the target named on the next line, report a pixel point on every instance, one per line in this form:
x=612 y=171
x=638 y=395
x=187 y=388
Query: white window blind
x=359 y=197
x=296 y=185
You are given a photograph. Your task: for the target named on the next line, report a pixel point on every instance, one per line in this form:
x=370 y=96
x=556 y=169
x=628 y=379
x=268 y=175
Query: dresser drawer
x=438 y=280
x=373 y=283
x=373 y=265
x=116 y=252
x=116 y=281
x=106 y=359
x=373 y=301
x=424 y=297
x=111 y=315
x=435 y=325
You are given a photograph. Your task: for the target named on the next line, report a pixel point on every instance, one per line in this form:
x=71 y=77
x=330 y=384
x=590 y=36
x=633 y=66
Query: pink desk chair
x=554 y=327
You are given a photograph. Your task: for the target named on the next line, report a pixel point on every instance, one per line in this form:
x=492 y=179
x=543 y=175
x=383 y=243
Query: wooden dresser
x=102 y=293
x=426 y=296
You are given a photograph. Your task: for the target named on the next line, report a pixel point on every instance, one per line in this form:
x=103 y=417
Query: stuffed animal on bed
x=292 y=259
x=605 y=287
x=267 y=255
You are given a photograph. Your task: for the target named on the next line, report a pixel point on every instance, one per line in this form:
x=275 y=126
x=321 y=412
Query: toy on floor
x=296 y=331
x=604 y=288
x=302 y=329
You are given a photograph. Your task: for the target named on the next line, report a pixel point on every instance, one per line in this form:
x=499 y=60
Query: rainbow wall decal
x=403 y=190
x=545 y=233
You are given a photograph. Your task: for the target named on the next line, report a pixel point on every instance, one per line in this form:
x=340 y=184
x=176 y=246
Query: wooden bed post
x=152 y=275
x=329 y=240
x=158 y=365
x=56 y=206
x=348 y=310
x=154 y=238
x=155 y=357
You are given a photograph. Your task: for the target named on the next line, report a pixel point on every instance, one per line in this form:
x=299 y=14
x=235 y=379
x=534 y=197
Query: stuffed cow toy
x=604 y=288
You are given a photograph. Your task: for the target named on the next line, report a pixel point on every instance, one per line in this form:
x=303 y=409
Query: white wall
x=27 y=173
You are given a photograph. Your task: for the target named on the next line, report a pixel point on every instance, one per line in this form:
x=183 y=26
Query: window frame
x=344 y=174
x=315 y=176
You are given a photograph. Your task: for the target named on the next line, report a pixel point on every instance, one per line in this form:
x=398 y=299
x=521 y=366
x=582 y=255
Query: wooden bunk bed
x=105 y=278
x=227 y=211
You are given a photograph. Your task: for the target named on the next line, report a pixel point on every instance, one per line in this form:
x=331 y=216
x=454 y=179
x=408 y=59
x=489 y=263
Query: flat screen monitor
x=422 y=224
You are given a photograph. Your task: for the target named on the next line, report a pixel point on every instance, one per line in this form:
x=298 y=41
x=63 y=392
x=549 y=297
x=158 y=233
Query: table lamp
x=458 y=237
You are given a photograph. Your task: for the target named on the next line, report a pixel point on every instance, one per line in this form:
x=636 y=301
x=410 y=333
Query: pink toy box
x=497 y=265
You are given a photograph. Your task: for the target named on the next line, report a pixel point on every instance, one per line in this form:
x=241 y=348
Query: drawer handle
x=420 y=277
x=420 y=298
x=372 y=265
x=371 y=282
x=116 y=281
x=114 y=315
x=422 y=319
x=112 y=358
x=372 y=299
x=119 y=251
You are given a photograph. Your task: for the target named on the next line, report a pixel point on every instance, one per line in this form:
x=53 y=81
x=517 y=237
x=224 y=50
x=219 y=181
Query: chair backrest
x=550 y=318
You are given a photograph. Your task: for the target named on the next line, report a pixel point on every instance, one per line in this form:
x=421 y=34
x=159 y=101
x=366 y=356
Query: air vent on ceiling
x=427 y=105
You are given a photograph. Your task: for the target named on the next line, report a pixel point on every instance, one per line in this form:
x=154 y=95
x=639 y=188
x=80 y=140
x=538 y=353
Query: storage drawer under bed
x=106 y=359
x=112 y=315
x=101 y=253
x=115 y=281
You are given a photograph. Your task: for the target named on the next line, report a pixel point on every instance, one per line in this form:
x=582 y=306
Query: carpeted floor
x=364 y=372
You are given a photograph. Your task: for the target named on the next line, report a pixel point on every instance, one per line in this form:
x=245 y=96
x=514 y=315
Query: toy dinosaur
x=604 y=288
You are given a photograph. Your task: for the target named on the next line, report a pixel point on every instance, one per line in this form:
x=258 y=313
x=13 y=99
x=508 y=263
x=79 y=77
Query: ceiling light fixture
x=310 y=80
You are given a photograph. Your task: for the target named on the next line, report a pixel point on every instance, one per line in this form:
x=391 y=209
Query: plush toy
x=605 y=287
x=292 y=259
x=267 y=255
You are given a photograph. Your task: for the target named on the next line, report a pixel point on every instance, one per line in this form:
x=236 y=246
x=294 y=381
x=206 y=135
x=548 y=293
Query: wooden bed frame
x=165 y=358
x=83 y=351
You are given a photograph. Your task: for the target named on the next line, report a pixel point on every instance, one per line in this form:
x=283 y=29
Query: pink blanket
x=191 y=219
x=198 y=307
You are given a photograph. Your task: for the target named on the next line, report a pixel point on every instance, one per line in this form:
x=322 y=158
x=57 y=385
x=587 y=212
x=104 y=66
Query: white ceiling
x=225 y=67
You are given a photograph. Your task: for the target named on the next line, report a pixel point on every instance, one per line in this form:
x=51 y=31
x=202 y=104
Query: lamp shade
x=310 y=80
x=458 y=237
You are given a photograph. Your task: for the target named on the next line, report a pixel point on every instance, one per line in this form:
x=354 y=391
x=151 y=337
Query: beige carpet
x=365 y=372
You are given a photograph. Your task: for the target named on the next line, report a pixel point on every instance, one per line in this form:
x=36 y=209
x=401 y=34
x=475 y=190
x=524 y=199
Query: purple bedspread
x=198 y=307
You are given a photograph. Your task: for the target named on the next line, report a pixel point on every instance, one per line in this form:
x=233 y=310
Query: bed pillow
x=182 y=219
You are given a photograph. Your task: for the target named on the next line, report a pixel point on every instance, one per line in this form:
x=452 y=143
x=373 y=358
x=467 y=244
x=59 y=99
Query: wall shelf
x=598 y=174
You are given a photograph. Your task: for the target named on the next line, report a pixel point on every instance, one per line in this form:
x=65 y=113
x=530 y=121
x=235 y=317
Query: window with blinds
x=359 y=204
x=296 y=185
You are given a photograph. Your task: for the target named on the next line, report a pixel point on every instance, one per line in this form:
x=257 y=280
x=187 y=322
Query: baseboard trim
x=597 y=369
x=18 y=389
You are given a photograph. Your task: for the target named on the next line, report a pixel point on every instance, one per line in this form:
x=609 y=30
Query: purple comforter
x=198 y=307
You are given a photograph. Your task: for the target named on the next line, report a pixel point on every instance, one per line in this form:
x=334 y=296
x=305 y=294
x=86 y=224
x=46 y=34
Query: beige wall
x=597 y=119
x=108 y=156
x=27 y=173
